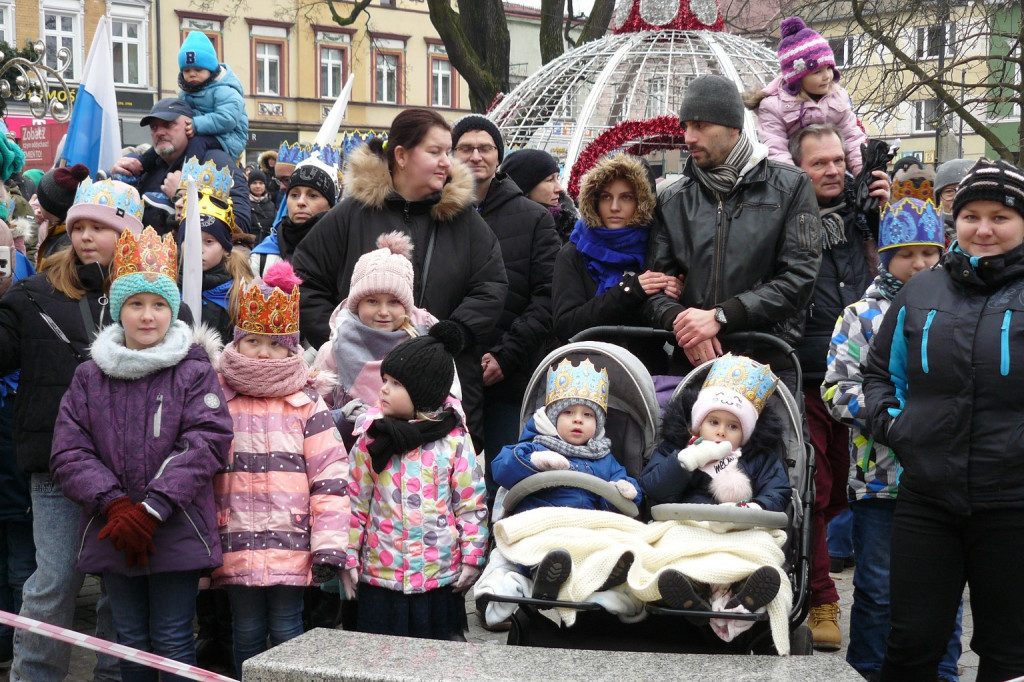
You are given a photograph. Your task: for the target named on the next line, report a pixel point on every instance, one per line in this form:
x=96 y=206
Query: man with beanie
x=529 y=244
x=55 y=195
x=157 y=173
x=262 y=205
x=849 y=256
x=947 y=177
x=743 y=229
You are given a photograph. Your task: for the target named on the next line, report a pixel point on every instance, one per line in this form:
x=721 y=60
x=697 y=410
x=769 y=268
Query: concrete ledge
x=337 y=656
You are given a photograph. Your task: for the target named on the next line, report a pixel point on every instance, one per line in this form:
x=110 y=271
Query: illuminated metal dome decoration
x=623 y=91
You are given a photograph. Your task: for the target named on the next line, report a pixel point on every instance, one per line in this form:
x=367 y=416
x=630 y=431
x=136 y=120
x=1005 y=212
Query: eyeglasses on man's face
x=468 y=149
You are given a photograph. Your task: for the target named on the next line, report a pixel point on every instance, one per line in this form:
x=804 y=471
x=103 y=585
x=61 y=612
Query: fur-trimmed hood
x=264 y=157
x=629 y=168
x=368 y=180
x=114 y=360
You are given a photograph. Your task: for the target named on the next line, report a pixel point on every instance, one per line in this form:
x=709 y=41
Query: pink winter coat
x=781 y=115
x=282 y=501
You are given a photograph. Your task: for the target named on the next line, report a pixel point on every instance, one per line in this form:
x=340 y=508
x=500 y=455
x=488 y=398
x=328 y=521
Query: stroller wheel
x=552 y=571
x=801 y=642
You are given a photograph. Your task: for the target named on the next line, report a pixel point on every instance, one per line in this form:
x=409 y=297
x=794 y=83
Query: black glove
x=875 y=155
x=323 y=573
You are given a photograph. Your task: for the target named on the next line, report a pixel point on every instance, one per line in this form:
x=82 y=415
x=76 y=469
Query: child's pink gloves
x=626 y=489
x=466 y=578
x=545 y=460
x=349 y=580
x=702 y=452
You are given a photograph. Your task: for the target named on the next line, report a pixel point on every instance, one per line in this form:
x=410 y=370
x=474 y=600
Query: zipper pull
x=158 y=415
x=407 y=218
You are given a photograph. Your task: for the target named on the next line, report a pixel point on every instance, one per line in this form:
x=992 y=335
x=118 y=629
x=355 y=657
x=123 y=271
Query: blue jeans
x=256 y=612
x=49 y=593
x=17 y=562
x=839 y=536
x=154 y=613
x=869 y=617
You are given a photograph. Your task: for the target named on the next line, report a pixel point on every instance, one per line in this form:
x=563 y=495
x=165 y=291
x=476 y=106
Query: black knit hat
x=527 y=167
x=425 y=365
x=257 y=176
x=471 y=122
x=998 y=181
x=56 y=189
x=713 y=99
x=312 y=176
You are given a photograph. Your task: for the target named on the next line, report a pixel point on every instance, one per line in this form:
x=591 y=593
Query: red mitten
x=134 y=532
x=115 y=511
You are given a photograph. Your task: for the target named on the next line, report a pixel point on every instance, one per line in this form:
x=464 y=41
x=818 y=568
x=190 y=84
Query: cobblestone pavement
x=85 y=621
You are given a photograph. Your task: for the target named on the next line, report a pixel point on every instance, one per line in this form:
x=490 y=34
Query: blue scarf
x=220 y=294
x=608 y=253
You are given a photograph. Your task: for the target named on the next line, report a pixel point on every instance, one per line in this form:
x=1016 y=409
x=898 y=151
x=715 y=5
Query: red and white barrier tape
x=116 y=650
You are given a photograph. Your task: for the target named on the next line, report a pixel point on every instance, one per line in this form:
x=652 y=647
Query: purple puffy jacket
x=157 y=439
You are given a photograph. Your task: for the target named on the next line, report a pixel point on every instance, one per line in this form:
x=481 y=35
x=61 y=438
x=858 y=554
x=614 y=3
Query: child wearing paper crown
x=141 y=432
x=720 y=447
x=215 y=94
x=419 y=513
x=806 y=92
x=287 y=476
x=910 y=239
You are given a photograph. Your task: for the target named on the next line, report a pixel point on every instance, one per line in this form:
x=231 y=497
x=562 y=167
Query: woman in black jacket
x=264 y=208
x=944 y=387
x=600 y=278
x=412 y=185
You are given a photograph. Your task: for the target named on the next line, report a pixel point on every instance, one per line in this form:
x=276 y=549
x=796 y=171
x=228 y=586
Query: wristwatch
x=720 y=315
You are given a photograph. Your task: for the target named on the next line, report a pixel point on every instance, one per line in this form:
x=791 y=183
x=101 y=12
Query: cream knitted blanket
x=707 y=552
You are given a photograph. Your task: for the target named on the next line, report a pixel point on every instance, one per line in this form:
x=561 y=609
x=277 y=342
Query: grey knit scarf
x=833 y=229
x=722 y=179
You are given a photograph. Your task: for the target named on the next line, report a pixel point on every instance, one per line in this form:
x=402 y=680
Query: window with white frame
x=657 y=96
x=60 y=30
x=268 y=68
x=925 y=112
x=929 y=40
x=387 y=65
x=126 y=41
x=7 y=24
x=842 y=48
x=332 y=71
x=440 y=82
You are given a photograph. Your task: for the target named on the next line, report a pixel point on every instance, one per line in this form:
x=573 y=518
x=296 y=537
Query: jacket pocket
x=198 y=532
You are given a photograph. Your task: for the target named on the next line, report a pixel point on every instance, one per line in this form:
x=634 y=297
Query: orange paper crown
x=147 y=254
x=276 y=314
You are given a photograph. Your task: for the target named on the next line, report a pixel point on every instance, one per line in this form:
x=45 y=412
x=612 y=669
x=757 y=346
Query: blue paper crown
x=909 y=222
x=331 y=155
x=209 y=178
x=749 y=378
x=583 y=382
x=106 y=193
x=293 y=152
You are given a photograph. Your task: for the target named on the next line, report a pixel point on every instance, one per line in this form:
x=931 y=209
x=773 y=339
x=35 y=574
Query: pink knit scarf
x=263 y=377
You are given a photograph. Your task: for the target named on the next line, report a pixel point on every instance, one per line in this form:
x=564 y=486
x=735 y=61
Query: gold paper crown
x=749 y=378
x=214 y=187
x=148 y=254
x=276 y=314
x=583 y=382
x=912 y=188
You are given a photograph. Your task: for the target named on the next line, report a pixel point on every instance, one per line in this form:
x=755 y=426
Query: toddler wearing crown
x=141 y=431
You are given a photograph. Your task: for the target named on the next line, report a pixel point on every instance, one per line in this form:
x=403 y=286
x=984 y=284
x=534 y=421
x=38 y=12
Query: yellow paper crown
x=583 y=382
x=274 y=314
x=214 y=190
x=749 y=378
x=148 y=254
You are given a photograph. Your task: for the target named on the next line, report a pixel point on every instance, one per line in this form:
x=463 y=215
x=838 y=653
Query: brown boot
x=824 y=623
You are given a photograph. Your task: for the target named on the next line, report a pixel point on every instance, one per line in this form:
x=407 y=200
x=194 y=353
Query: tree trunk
x=551 y=18
x=477 y=41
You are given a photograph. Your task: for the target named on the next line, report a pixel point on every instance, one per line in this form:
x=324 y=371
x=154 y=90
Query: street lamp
x=29 y=80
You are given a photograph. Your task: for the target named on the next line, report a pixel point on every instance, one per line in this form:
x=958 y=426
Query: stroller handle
x=573 y=479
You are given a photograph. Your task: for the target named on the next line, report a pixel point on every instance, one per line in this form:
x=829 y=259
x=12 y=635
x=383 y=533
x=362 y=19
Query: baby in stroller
x=567 y=434
x=718 y=448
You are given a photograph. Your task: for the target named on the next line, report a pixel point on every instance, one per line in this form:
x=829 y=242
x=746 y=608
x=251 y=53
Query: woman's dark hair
x=407 y=130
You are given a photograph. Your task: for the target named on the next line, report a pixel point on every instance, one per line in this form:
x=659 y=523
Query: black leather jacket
x=756 y=253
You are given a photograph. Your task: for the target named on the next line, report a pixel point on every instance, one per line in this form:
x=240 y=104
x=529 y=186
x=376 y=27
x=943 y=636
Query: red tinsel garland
x=662 y=132
x=685 y=20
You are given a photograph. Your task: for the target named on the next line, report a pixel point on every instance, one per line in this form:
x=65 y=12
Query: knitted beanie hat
x=950 y=173
x=257 y=176
x=56 y=190
x=713 y=99
x=991 y=181
x=215 y=227
x=528 y=167
x=111 y=203
x=472 y=122
x=34 y=174
x=802 y=51
x=425 y=365
x=197 y=51
x=387 y=270
x=316 y=174
x=909 y=222
x=270 y=307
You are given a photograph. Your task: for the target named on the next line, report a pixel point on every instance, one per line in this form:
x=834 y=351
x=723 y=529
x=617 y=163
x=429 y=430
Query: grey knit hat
x=713 y=99
x=554 y=409
x=951 y=173
x=471 y=122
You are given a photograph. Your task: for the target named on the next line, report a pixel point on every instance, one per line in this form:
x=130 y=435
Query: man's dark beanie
x=472 y=122
x=713 y=99
x=56 y=189
x=527 y=167
x=257 y=176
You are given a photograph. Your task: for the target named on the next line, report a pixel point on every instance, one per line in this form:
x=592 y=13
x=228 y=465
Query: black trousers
x=934 y=553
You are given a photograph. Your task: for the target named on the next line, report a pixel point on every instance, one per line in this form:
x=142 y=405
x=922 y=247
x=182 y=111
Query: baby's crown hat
x=582 y=384
x=270 y=307
x=909 y=222
x=110 y=202
x=215 y=204
x=802 y=51
x=738 y=385
x=147 y=263
x=387 y=269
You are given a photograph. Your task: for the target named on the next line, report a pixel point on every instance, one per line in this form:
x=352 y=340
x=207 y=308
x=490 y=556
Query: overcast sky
x=577 y=5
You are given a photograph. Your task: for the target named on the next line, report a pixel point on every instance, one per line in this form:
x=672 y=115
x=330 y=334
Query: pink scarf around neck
x=263 y=377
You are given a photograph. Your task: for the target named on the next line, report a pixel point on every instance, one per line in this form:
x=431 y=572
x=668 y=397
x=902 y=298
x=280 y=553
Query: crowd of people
x=341 y=412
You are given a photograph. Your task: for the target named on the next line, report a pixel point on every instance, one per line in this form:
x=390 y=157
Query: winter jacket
x=874 y=468
x=264 y=211
x=513 y=464
x=566 y=217
x=781 y=115
x=463 y=281
x=526 y=234
x=282 y=499
x=425 y=515
x=843 y=277
x=204 y=148
x=273 y=249
x=944 y=383
x=15 y=500
x=220 y=111
x=755 y=253
x=666 y=481
x=57 y=239
x=153 y=432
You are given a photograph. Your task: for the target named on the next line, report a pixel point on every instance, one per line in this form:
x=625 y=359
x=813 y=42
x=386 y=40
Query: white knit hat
x=386 y=270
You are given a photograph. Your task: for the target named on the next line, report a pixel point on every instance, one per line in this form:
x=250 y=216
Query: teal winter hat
x=146 y=263
x=127 y=286
x=197 y=51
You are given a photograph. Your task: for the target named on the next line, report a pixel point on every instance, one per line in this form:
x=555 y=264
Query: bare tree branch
x=340 y=20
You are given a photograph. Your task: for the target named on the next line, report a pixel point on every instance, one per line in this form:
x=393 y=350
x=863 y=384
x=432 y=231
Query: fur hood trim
x=209 y=340
x=119 y=362
x=322 y=381
x=367 y=180
x=264 y=157
x=22 y=227
x=629 y=168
